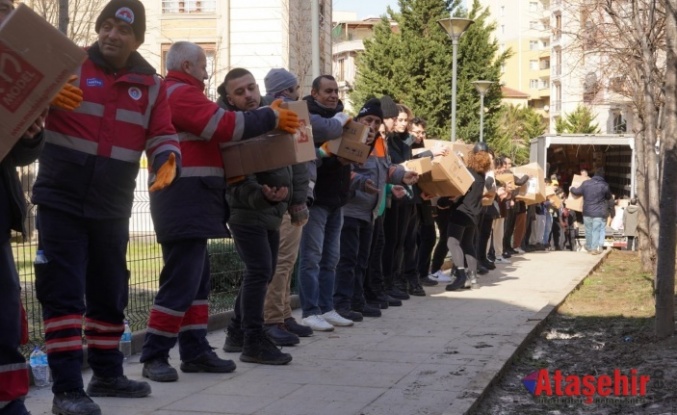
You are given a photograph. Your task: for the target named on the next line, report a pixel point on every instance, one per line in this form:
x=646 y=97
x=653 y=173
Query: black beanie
x=371 y=107
x=389 y=107
x=131 y=12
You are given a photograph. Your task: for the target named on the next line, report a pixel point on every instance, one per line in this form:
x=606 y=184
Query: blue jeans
x=318 y=257
x=594 y=228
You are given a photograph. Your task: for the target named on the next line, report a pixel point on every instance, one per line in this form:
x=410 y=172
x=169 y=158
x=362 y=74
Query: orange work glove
x=287 y=120
x=70 y=96
x=165 y=174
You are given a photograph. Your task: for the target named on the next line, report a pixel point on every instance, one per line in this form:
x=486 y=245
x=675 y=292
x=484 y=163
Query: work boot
x=393 y=302
x=159 y=370
x=234 y=340
x=368 y=310
x=119 y=387
x=208 y=362
x=74 y=402
x=459 y=282
x=300 y=330
x=428 y=282
x=258 y=348
x=279 y=335
x=398 y=294
x=350 y=315
x=416 y=289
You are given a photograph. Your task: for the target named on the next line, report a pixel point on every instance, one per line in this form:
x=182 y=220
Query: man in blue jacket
x=595 y=194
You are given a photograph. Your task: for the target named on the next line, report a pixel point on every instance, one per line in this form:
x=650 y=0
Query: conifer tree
x=581 y=121
x=414 y=66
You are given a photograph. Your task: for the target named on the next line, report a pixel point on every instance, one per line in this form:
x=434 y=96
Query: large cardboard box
x=575 y=202
x=351 y=146
x=506 y=178
x=421 y=165
x=448 y=177
x=458 y=147
x=36 y=60
x=532 y=191
x=271 y=151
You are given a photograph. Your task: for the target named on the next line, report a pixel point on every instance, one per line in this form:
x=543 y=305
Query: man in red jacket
x=193 y=210
x=84 y=192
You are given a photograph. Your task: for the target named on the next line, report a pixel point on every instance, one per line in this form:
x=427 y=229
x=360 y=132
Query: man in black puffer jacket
x=595 y=194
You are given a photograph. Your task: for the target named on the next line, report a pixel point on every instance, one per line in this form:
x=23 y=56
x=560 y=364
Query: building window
x=533 y=83
x=188 y=6
x=533 y=6
x=341 y=70
x=533 y=45
x=533 y=65
x=502 y=11
x=533 y=25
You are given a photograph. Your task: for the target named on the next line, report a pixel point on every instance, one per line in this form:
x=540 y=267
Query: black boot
x=74 y=402
x=234 y=340
x=415 y=289
x=259 y=349
x=459 y=282
x=159 y=370
x=208 y=362
x=279 y=335
x=300 y=330
x=119 y=387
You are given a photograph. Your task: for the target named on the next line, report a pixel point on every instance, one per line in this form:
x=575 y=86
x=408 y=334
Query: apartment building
x=547 y=63
x=256 y=35
x=348 y=36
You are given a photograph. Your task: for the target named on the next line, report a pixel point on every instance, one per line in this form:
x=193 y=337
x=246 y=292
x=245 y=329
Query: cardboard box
x=532 y=191
x=273 y=150
x=506 y=178
x=549 y=190
x=448 y=177
x=555 y=200
x=458 y=147
x=351 y=145
x=421 y=165
x=36 y=60
x=575 y=202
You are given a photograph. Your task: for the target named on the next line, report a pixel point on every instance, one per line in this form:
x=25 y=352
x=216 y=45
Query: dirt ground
x=607 y=324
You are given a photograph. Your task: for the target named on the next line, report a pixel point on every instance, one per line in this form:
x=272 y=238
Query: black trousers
x=441 y=249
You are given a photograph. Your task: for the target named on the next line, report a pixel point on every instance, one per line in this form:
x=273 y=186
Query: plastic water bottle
x=126 y=341
x=39 y=367
x=40 y=257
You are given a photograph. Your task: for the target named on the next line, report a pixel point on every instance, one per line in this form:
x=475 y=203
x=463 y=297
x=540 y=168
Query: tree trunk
x=642 y=199
x=63 y=16
x=665 y=270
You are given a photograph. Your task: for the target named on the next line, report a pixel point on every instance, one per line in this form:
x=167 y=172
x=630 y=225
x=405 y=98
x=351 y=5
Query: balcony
x=347 y=46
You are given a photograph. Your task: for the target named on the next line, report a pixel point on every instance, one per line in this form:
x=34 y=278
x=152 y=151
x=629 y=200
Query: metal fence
x=144 y=260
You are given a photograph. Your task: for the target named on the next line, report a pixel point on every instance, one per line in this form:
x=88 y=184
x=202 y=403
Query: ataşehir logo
x=542 y=383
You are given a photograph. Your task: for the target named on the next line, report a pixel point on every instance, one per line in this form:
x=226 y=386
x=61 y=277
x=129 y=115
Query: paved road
x=434 y=355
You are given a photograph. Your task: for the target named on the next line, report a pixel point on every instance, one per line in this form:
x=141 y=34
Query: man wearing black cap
x=84 y=193
x=368 y=180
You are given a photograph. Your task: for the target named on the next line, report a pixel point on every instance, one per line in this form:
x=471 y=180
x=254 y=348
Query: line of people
x=363 y=234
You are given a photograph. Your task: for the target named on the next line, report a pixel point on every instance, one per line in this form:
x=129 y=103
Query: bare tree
x=74 y=17
x=625 y=41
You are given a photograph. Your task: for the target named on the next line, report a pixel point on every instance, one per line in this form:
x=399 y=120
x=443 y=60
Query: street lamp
x=454 y=26
x=482 y=87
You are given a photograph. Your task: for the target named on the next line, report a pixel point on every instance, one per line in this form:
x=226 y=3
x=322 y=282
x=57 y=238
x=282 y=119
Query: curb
x=495 y=368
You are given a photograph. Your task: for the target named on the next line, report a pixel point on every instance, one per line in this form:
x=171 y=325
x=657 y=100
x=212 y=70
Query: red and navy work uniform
x=13 y=368
x=190 y=212
x=84 y=192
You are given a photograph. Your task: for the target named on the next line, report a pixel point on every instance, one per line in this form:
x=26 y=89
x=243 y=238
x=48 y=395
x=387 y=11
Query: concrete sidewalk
x=434 y=355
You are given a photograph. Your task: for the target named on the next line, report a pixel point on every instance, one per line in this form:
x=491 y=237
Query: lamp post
x=482 y=87
x=454 y=26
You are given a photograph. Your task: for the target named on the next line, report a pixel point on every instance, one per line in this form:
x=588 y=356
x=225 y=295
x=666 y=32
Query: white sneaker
x=440 y=276
x=519 y=250
x=333 y=318
x=317 y=323
x=501 y=260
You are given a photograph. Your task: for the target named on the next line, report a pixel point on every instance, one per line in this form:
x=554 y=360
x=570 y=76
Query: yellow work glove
x=70 y=96
x=287 y=120
x=165 y=174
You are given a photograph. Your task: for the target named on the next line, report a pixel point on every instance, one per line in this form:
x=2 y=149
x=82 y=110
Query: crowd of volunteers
x=364 y=235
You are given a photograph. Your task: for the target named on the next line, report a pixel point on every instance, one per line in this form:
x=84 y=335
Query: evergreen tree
x=581 y=121
x=516 y=127
x=414 y=66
